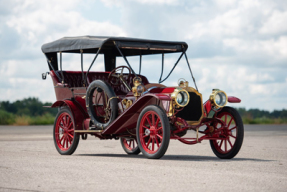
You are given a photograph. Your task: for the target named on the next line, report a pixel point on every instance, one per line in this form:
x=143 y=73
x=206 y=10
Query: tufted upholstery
x=74 y=79
x=120 y=89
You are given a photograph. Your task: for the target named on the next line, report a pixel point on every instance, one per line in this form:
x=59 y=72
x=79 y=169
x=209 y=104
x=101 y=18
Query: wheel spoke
x=220 y=144
x=99 y=98
x=61 y=124
x=152 y=116
x=130 y=143
x=148 y=142
x=64 y=121
x=152 y=145
x=159 y=136
x=160 y=128
x=133 y=143
x=71 y=136
x=64 y=141
x=233 y=128
x=61 y=139
x=145 y=127
x=232 y=136
x=71 y=123
x=229 y=142
x=225 y=118
x=230 y=121
x=70 y=141
x=148 y=120
x=157 y=142
x=71 y=130
x=157 y=121
x=225 y=145
x=144 y=136
x=68 y=121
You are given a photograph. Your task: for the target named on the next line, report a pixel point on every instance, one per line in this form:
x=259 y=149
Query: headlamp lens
x=220 y=99
x=179 y=98
x=140 y=89
x=182 y=98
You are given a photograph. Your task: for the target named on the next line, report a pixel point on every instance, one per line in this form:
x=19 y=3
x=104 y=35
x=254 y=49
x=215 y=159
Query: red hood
x=162 y=90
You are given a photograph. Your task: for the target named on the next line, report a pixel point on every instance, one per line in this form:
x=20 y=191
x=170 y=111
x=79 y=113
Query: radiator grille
x=193 y=110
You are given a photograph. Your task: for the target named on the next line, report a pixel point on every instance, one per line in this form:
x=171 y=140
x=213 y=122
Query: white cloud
x=36 y=23
x=237 y=46
x=275 y=24
x=149 y=2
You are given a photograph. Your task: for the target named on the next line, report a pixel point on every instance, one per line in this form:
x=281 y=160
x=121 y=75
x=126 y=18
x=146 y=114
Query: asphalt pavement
x=30 y=162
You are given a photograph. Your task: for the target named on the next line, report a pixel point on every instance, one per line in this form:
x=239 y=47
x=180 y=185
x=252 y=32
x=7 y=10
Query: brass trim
x=171 y=108
x=176 y=92
x=137 y=81
x=191 y=89
x=212 y=98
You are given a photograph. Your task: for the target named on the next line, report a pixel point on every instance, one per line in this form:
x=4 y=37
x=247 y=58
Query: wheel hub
x=147 y=132
x=152 y=131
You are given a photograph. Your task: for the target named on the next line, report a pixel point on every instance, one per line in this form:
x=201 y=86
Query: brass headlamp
x=180 y=96
x=138 y=88
x=218 y=98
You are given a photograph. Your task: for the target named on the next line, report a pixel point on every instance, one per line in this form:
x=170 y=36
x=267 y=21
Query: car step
x=88 y=131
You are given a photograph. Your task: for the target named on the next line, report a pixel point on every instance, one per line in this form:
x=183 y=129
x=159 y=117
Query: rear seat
x=74 y=79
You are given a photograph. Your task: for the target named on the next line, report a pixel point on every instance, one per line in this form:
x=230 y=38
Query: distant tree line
x=29 y=111
x=257 y=113
x=30 y=106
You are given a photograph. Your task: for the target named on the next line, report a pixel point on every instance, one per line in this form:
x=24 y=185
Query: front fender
x=128 y=119
x=207 y=105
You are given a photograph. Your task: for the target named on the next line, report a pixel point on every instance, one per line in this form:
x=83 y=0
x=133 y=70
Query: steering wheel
x=117 y=75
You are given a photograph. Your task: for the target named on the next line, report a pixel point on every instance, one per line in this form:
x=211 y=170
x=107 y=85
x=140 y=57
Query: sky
x=239 y=47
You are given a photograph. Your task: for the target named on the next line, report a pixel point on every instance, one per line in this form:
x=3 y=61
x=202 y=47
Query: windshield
x=151 y=67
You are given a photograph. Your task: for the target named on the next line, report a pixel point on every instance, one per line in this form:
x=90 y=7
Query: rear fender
x=207 y=105
x=76 y=111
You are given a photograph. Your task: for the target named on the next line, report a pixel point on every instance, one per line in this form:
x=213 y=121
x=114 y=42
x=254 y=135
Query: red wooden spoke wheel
x=231 y=136
x=153 y=132
x=130 y=146
x=65 y=139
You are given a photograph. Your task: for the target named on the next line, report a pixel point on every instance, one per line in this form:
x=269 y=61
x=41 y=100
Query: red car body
x=143 y=115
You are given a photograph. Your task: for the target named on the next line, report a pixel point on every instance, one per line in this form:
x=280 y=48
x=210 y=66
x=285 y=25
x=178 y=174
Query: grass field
x=48 y=119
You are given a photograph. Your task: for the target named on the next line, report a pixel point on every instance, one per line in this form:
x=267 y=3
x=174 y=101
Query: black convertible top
x=130 y=46
x=111 y=47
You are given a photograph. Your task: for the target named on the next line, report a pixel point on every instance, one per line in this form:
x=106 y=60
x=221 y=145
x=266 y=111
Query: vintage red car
x=114 y=104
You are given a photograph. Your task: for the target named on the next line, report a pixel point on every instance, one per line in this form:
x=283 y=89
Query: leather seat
x=74 y=79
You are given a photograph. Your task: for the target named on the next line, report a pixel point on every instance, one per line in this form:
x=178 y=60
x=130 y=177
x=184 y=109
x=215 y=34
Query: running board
x=88 y=131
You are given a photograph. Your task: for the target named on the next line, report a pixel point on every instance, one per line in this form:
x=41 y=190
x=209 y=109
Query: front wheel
x=65 y=138
x=231 y=137
x=153 y=132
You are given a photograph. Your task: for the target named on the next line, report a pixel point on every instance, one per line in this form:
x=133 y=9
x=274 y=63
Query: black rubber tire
x=135 y=151
x=113 y=102
x=76 y=138
x=239 y=135
x=165 y=129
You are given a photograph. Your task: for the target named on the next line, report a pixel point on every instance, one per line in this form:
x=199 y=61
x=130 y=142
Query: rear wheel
x=153 y=132
x=130 y=146
x=65 y=138
x=231 y=137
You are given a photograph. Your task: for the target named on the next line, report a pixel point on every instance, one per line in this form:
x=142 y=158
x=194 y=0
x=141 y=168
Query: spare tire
x=101 y=103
